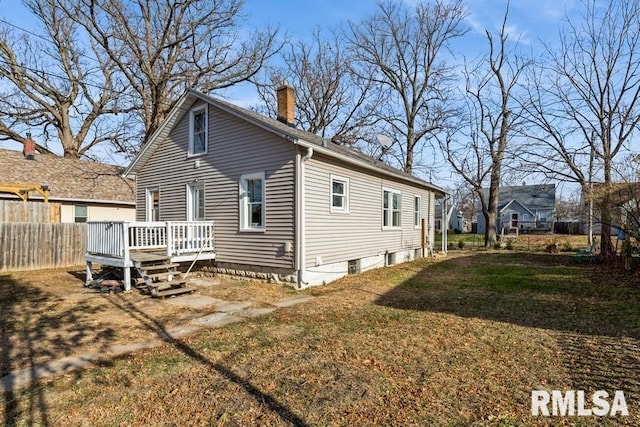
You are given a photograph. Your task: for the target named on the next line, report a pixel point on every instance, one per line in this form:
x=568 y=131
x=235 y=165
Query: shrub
x=509 y=245
x=497 y=245
x=461 y=244
x=552 y=248
x=566 y=247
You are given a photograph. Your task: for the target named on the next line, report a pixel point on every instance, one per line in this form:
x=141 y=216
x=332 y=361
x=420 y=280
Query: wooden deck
x=125 y=245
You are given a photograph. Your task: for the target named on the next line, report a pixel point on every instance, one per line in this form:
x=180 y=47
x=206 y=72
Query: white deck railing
x=147 y=235
x=106 y=238
x=117 y=239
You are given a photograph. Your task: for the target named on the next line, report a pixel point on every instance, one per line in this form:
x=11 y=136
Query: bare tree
x=586 y=105
x=330 y=102
x=51 y=85
x=401 y=51
x=477 y=150
x=163 y=47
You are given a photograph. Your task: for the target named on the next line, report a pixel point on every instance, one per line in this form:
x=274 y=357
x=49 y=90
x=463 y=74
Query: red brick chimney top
x=286 y=98
x=29 y=148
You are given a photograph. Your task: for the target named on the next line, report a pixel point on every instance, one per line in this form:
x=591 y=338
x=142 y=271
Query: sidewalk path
x=225 y=313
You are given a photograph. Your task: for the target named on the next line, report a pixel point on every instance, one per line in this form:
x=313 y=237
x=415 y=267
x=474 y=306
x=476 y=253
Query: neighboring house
x=85 y=191
x=457 y=221
x=284 y=202
x=522 y=208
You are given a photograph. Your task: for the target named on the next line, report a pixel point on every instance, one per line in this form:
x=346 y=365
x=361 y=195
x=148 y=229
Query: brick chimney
x=286 y=97
x=29 y=148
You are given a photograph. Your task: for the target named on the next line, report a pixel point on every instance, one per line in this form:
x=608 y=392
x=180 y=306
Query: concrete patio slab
x=232 y=306
x=120 y=349
x=195 y=301
x=227 y=312
x=294 y=300
x=21 y=378
x=254 y=312
x=217 y=320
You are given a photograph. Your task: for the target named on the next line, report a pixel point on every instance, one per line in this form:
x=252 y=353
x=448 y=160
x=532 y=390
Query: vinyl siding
x=235 y=148
x=336 y=237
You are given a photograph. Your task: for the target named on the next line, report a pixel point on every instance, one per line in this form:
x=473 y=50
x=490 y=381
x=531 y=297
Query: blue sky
x=530 y=22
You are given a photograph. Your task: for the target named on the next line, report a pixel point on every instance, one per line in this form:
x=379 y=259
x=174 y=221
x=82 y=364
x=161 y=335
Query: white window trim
x=243 y=205
x=190 y=187
x=190 y=152
x=346 y=208
x=419 y=224
x=391 y=227
x=149 y=202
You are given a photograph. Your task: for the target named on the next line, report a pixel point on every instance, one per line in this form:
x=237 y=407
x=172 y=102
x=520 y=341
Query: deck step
x=173 y=291
x=162 y=274
x=148 y=257
x=157 y=279
x=175 y=283
x=172 y=265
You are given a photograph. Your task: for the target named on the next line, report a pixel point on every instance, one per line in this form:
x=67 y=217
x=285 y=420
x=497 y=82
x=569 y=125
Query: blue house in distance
x=525 y=208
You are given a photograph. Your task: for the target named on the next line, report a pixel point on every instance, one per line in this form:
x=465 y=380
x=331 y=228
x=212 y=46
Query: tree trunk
x=490 y=236
x=490 y=232
x=606 y=250
x=411 y=143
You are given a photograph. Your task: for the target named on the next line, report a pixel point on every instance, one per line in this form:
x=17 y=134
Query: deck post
x=126 y=242
x=89 y=277
x=169 y=231
x=126 y=270
x=127 y=279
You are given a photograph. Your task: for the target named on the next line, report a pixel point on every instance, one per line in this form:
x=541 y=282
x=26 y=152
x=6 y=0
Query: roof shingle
x=68 y=179
x=283 y=129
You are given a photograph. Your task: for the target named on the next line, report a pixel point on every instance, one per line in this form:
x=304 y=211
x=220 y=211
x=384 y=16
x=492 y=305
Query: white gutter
x=300 y=215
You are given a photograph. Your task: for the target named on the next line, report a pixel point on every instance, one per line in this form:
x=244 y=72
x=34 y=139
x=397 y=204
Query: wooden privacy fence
x=31 y=246
x=19 y=211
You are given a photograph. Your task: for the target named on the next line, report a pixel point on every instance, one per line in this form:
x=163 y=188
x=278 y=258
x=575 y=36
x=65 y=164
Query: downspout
x=301 y=215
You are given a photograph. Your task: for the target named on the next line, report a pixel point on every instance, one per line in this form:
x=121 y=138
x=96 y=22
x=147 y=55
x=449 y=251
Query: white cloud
x=516 y=35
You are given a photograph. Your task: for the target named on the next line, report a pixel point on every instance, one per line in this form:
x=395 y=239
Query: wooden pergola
x=23 y=190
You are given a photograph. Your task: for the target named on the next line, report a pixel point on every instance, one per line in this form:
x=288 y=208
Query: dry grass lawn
x=453 y=341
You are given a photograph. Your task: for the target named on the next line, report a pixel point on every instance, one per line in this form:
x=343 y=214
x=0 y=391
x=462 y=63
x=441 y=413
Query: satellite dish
x=384 y=140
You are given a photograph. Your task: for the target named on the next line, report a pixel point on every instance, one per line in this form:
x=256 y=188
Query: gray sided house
x=525 y=208
x=283 y=201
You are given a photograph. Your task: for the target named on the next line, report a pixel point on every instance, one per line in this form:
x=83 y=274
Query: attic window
x=198 y=131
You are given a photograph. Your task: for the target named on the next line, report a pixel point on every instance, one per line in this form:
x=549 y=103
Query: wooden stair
x=159 y=277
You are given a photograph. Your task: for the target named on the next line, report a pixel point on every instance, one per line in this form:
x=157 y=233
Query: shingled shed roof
x=68 y=179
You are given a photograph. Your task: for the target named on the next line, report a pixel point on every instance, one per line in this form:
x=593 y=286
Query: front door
x=195 y=212
x=514 y=220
